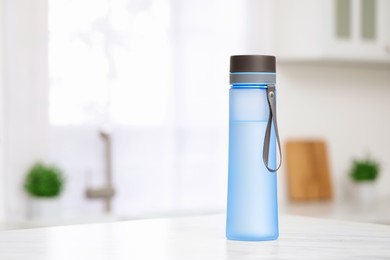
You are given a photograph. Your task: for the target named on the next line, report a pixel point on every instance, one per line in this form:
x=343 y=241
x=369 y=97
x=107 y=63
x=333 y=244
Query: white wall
x=26 y=90
x=2 y=173
x=348 y=106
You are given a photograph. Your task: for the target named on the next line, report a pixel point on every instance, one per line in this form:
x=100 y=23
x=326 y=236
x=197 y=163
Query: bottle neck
x=248 y=86
x=252 y=79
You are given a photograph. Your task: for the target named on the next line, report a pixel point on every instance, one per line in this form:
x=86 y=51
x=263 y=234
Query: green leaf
x=44 y=181
x=364 y=170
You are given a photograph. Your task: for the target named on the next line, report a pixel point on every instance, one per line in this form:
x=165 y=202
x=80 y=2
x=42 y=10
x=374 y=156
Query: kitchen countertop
x=377 y=211
x=197 y=237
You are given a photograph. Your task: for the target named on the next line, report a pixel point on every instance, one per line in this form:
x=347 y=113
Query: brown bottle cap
x=252 y=63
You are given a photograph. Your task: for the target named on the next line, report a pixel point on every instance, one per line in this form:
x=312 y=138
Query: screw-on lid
x=252 y=63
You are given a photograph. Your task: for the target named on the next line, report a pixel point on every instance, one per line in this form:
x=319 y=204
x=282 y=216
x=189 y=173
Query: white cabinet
x=333 y=30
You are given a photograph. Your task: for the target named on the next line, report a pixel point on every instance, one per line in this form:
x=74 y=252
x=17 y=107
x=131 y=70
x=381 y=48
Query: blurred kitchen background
x=129 y=98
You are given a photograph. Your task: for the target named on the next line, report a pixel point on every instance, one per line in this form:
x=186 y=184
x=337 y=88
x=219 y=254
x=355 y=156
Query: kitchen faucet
x=106 y=192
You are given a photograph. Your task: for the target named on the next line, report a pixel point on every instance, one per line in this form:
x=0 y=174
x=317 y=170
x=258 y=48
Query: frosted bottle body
x=252 y=211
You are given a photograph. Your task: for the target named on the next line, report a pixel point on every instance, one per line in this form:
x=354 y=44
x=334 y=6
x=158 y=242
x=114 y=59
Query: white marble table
x=199 y=237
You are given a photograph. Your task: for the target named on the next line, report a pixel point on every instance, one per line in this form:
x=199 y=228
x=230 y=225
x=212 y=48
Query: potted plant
x=44 y=184
x=364 y=172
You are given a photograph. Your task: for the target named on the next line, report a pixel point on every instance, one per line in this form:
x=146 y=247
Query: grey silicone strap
x=271 y=119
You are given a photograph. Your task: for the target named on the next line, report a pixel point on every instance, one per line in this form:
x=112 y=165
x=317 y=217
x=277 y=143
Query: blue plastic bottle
x=252 y=209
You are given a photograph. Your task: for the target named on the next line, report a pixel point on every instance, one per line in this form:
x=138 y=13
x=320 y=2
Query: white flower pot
x=365 y=193
x=44 y=208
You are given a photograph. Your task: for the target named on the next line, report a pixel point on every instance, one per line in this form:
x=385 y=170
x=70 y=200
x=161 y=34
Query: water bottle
x=252 y=209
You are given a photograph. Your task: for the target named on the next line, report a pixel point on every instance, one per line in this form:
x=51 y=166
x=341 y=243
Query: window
x=110 y=62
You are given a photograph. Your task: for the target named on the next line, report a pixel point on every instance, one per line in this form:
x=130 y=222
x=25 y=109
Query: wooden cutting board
x=308 y=173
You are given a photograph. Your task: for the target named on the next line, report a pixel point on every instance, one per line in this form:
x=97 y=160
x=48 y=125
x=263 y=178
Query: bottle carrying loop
x=271 y=119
